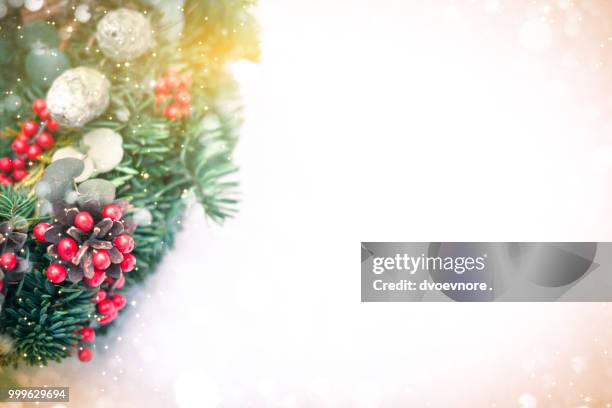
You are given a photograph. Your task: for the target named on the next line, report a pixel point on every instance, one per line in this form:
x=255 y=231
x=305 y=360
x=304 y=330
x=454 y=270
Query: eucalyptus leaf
x=58 y=179
x=105 y=147
x=97 y=189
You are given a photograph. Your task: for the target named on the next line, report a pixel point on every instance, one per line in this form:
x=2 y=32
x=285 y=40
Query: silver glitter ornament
x=124 y=34
x=78 y=96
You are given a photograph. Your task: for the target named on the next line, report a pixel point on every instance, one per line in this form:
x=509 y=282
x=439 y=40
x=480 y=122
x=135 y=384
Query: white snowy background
x=382 y=120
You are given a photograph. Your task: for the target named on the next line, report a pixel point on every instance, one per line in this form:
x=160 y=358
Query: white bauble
x=34 y=5
x=142 y=217
x=71 y=152
x=105 y=147
x=82 y=13
x=211 y=123
x=124 y=34
x=123 y=114
x=12 y=103
x=78 y=96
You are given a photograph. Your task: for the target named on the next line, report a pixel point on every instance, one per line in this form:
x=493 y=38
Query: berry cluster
x=33 y=139
x=108 y=305
x=89 y=245
x=88 y=335
x=172 y=91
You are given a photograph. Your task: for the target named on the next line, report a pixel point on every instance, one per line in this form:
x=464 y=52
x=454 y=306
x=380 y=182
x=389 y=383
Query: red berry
x=67 y=248
x=119 y=301
x=183 y=97
x=101 y=259
x=56 y=273
x=39 y=105
x=6 y=164
x=5 y=181
x=185 y=80
x=128 y=263
x=124 y=243
x=19 y=174
x=8 y=261
x=172 y=81
x=112 y=211
x=106 y=306
x=85 y=354
x=19 y=163
x=53 y=125
x=96 y=280
x=45 y=115
x=84 y=221
x=23 y=138
x=19 y=146
x=172 y=111
x=100 y=296
x=88 y=334
x=40 y=229
x=108 y=318
x=34 y=152
x=45 y=140
x=161 y=87
x=29 y=128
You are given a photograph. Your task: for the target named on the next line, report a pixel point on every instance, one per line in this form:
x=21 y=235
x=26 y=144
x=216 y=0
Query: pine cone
x=100 y=237
x=13 y=241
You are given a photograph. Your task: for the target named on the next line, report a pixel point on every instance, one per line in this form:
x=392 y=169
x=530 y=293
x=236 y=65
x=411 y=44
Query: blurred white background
x=379 y=120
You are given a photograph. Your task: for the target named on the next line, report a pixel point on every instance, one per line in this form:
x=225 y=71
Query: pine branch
x=43 y=318
x=206 y=157
x=16 y=204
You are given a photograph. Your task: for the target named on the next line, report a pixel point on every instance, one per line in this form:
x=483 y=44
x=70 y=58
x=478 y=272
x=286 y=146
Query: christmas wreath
x=114 y=116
